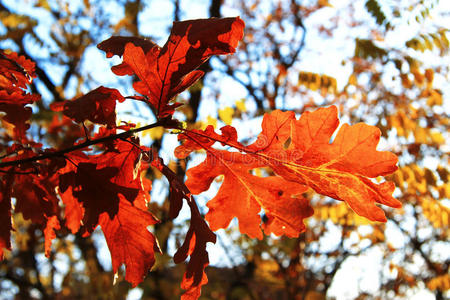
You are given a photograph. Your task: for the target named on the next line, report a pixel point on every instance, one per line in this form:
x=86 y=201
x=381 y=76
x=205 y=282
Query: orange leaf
x=129 y=241
x=242 y=195
x=166 y=72
x=300 y=154
x=97 y=182
x=340 y=170
x=49 y=233
x=195 y=246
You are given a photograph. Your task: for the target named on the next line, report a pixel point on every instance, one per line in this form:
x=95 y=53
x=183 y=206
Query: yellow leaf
x=437 y=137
x=240 y=105
x=324 y=213
x=398 y=178
x=341 y=210
x=333 y=215
x=444 y=219
x=156 y=133
x=421 y=135
x=209 y=121
x=226 y=115
x=352 y=80
x=444 y=190
x=435 y=98
x=323 y=3
x=419 y=78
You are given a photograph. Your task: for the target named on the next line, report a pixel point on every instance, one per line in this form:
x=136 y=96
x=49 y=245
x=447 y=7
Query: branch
x=88 y=143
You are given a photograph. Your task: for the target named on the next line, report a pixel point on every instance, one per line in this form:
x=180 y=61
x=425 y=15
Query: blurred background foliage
x=383 y=63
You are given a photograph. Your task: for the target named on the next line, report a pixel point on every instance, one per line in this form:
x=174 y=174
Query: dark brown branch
x=60 y=153
x=176 y=10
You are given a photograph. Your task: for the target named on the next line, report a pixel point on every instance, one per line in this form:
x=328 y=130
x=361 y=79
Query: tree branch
x=88 y=143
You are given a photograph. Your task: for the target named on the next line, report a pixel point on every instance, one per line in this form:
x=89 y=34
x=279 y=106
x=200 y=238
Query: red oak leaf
x=195 y=246
x=5 y=214
x=300 y=153
x=202 y=139
x=14 y=102
x=196 y=238
x=243 y=195
x=129 y=241
x=94 y=189
x=340 y=170
x=166 y=72
x=15 y=70
x=107 y=190
x=97 y=106
x=35 y=197
x=74 y=210
x=98 y=181
x=37 y=201
x=15 y=73
x=115 y=45
x=49 y=233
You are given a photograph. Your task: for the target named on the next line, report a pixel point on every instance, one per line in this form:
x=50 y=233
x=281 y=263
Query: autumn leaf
x=98 y=181
x=97 y=106
x=15 y=70
x=340 y=169
x=5 y=214
x=74 y=210
x=196 y=238
x=35 y=197
x=300 y=154
x=195 y=246
x=52 y=224
x=37 y=201
x=243 y=195
x=15 y=104
x=94 y=189
x=107 y=190
x=115 y=45
x=129 y=241
x=15 y=73
x=166 y=72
